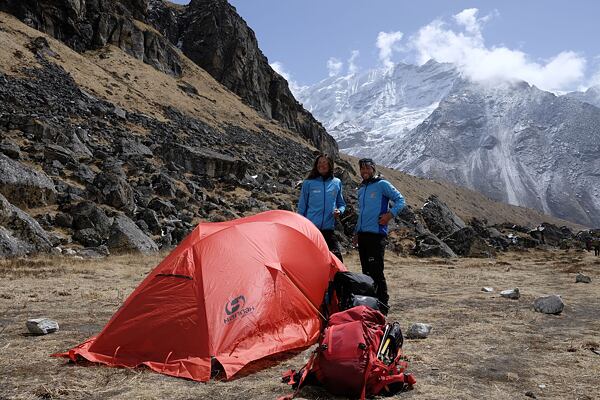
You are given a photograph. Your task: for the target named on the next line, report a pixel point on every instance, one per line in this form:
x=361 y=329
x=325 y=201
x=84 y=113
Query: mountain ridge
x=508 y=120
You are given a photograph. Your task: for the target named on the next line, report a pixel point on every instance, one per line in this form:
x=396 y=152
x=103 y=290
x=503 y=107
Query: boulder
x=581 y=278
x=429 y=245
x=466 y=242
x=132 y=148
x=88 y=215
x=114 y=191
x=10 y=149
x=24 y=186
x=19 y=233
x=440 y=219
x=41 y=326
x=418 y=331
x=203 y=161
x=511 y=293
x=552 y=304
x=125 y=236
x=88 y=237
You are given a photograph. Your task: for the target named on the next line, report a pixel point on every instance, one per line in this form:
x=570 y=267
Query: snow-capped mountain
x=367 y=110
x=514 y=143
x=511 y=141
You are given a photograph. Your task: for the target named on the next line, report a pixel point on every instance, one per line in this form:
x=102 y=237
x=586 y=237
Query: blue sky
x=550 y=43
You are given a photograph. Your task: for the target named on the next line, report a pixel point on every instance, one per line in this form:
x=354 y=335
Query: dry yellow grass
x=481 y=346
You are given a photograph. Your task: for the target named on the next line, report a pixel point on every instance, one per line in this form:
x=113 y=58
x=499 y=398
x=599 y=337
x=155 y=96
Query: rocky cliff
x=210 y=33
x=215 y=37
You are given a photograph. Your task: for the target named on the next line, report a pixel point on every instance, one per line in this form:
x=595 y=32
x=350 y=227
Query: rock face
x=89 y=24
x=215 y=37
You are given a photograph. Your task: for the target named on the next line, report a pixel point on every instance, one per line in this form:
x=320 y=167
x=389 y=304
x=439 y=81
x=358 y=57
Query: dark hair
x=314 y=172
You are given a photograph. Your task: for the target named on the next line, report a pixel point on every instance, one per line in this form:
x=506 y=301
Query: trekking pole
x=383 y=339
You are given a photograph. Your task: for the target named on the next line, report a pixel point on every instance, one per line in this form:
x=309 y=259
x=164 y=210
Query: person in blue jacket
x=374 y=213
x=321 y=200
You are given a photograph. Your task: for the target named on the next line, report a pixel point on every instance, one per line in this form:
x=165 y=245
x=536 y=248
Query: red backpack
x=345 y=361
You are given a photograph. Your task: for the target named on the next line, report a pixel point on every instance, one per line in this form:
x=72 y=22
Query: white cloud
x=386 y=43
x=595 y=80
x=293 y=85
x=334 y=66
x=466 y=48
x=468 y=19
x=352 y=67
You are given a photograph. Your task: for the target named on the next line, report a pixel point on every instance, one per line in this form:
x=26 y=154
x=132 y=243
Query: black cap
x=366 y=161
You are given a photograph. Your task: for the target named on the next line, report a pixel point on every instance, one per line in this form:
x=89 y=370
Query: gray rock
x=125 y=236
x=114 y=191
x=487 y=289
x=88 y=237
x=19 y=233
x=11 y=149
x=54 y=152
x=440 y=219
x=511 y=293
x=88 y=215
x=132 y=148
x=42 y=326
x=94 y=252
x=552 y=304
x=429 y=245
x=24 y=186
x=582 y=278
x=418 y=331
x=203 y=161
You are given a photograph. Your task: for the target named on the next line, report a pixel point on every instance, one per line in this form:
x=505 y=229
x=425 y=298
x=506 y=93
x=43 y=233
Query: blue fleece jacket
x=374 y=196
x=319 y=198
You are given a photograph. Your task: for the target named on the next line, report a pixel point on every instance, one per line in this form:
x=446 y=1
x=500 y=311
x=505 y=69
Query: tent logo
x=235 y=305
x=236 y=309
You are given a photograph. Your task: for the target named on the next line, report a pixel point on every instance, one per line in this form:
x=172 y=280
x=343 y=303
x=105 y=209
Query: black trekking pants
x=371 y=248
x=332 y=243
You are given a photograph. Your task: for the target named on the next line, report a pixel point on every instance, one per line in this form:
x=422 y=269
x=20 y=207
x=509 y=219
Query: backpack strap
x=288 y=376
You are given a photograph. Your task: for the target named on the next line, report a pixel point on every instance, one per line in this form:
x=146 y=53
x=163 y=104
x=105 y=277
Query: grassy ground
x=481 y=346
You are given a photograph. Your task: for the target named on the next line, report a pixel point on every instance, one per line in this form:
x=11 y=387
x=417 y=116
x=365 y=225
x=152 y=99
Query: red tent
x=236 y=291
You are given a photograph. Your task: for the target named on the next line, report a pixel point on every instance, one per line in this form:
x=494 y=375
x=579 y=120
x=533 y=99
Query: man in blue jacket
x=374 y=214
x=321 y=200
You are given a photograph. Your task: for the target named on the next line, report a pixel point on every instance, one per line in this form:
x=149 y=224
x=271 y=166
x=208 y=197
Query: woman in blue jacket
x=321 y=200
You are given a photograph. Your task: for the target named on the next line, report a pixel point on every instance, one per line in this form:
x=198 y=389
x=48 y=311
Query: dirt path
x=482 y=346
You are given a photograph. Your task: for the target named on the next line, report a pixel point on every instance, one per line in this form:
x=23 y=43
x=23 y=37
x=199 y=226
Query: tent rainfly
x=231 y=292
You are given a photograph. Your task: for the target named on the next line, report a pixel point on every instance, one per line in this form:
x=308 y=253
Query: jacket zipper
x=324 y=202
x=363 y=207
